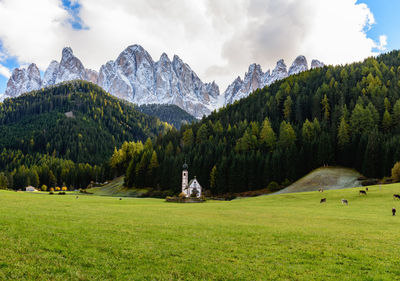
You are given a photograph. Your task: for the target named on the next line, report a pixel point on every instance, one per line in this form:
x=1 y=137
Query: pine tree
x=343 y=133
x=267 y=135
x=287 y=108
x=325 y=108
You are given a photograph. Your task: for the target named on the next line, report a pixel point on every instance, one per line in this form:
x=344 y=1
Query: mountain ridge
x=134 y=76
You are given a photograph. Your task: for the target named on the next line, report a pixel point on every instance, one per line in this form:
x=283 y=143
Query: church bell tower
x=185 y=179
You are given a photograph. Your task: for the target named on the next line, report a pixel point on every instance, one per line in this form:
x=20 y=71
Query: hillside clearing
x=327 y=178
x=116 y=188
x=278 y=237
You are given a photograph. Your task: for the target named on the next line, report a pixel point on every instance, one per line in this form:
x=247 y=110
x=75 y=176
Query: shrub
x=396 y=172
x=286 y=182
x=273 y=186
x=64 y=188
x=51 y=189
x=58 y=188
x=44 y=187
x=207 y=193
x=195 y=192
x=182 y=195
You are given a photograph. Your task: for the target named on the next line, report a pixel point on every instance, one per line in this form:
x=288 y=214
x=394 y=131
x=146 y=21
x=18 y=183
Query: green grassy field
x=277 y=237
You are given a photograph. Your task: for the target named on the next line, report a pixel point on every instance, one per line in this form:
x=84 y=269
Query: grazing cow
x=394 y=211
x=396 y=196
x=344 y=201
x=366 y=189
x=77 y=197
x=323 y=200
x=363 y=192
x=321 y=189
x=120 y=198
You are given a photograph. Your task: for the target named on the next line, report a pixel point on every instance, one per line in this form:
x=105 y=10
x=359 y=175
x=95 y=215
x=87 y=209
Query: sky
x=219 y=39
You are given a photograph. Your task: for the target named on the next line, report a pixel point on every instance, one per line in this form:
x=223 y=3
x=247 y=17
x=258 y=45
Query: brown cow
x=323 y=200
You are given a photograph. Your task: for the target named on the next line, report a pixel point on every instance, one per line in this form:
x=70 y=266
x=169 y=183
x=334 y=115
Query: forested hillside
x=345 y=115
x=170 y=113
x=59 y=129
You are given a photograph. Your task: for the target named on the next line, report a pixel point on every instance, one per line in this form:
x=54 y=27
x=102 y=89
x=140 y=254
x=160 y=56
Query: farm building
x=30 y=189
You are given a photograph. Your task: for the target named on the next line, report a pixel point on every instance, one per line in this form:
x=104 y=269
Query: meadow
x=275 y=237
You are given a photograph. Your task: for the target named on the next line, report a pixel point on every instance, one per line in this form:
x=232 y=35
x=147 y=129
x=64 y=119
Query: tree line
x=345 y=115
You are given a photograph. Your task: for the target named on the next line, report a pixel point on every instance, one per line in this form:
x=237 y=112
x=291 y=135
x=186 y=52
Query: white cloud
x=218 y=39
x=381 y=46
x=4 y=71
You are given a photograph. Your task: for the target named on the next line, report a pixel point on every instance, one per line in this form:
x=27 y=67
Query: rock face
x=299 y=65
x=70 y=67
x=255 y=78
x=50 y=75
x=135 y=77
x=316 y=64
x=23 y=80
x=279 y=72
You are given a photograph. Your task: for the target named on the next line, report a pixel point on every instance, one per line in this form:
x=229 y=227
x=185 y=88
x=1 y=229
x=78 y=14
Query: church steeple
x=185 y=179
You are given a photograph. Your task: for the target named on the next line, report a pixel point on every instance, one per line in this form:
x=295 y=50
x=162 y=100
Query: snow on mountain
x=70 y=68
x=23 y=80
x=255 y=78
x=299 y=65
x=134 y=76
x=316 y=64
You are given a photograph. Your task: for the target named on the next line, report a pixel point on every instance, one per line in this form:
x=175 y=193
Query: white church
x=188 y=188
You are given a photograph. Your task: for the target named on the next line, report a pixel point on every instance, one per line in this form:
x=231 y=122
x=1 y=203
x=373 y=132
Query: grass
x=116 y=189
x=277 y=237
x=327 y=178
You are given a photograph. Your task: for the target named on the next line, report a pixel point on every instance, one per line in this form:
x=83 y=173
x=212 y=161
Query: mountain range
x=134 y=76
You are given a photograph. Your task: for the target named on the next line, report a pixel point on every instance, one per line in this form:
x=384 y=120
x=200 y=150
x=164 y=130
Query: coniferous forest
x=344 y=115
x=65 y=135
x=74 y=133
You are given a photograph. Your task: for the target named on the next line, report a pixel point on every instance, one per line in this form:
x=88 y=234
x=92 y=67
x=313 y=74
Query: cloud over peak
x=218 y=39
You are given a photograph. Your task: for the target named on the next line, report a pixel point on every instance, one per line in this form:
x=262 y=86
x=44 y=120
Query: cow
x=362 y=192
x=77 y=197
x=394 y=211
x=396 y=196
x=344 y=201
x=366 y=189
x=323 y=200
x=321 y=189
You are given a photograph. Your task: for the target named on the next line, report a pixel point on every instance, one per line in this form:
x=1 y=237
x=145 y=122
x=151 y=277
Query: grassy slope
x=116 y=189
x=278 y=237
x=327 y=178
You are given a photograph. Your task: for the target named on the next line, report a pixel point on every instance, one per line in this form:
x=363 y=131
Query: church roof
x=192 y=180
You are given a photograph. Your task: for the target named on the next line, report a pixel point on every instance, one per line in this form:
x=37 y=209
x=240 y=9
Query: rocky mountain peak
x=67 y=54
x=135 y=77
x=278 y=73
x=299 y=65
x=164 y=58
x=23 y=80
x=316 y=64
x=70 y=67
